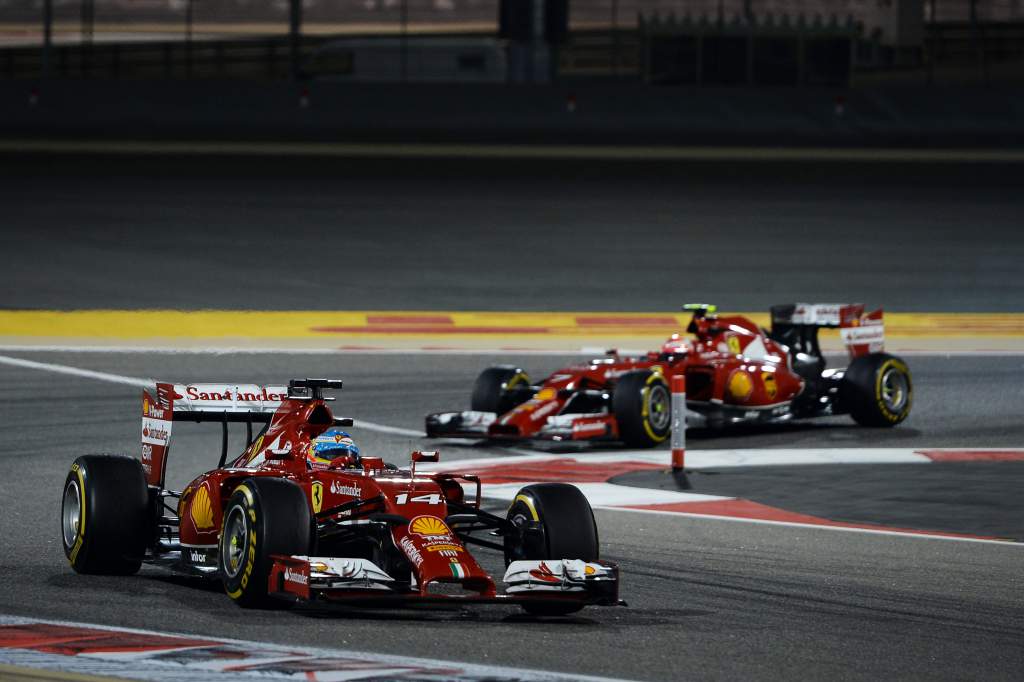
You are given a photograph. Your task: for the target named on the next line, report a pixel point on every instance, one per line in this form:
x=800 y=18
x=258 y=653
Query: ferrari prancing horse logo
x=317 y=496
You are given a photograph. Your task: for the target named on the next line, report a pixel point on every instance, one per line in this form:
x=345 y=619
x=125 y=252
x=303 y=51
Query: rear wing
x=797 y=325
x=223 y=403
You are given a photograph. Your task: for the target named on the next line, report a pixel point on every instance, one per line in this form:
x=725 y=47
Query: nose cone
x=438 y=557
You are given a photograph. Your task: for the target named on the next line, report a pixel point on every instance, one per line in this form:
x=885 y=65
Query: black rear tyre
x=499 y=389
x=555 y=521
x=105 y=515
x=264 y=516
x=642 y=403
x=877 y=390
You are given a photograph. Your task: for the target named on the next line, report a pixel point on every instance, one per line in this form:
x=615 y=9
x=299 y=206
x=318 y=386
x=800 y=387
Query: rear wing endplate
x=222 y=403
x=797 y=325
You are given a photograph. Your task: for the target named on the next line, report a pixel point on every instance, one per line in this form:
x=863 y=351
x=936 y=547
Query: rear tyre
x=554 y=521
x=499 y=389
x=264 y=516
x=105 y=519
x=642 y=403
x=877 y=390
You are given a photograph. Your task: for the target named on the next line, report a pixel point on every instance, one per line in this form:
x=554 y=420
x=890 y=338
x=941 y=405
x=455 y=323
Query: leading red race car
x=274 y=525
x=736 y=373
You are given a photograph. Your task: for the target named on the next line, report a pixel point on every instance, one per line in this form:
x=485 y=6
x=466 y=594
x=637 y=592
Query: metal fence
x=118 y=20
x=611 y=39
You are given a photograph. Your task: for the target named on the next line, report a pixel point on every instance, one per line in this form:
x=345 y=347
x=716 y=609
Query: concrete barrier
x=594 y=113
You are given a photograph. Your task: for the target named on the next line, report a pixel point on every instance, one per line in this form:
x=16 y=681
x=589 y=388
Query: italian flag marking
x=457 y=570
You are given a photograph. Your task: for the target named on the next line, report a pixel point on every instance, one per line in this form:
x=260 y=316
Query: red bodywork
x=341 y=493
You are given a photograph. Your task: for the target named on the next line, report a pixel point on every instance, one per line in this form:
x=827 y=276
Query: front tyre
x=499 y=389
x=552 y=521
x=264 y=516
x=877 y=390
x=105 y=519
x=642 y=403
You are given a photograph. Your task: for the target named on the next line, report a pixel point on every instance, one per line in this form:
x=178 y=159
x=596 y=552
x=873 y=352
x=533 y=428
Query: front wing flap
x=465 y=424
x=597 y=580
x=353 y=580
x=470 y=424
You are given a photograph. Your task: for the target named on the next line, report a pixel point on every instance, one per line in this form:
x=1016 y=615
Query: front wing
x=481 y=425
x=360 y=581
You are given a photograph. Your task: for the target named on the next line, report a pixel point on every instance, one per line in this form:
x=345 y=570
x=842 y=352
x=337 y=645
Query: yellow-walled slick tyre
x=264 y=516
x=499 y=389
x=642 y=403
x=877 y=390
x=555 y=521
x=105 y=515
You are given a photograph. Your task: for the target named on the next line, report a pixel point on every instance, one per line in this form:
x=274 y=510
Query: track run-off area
x=811 y=550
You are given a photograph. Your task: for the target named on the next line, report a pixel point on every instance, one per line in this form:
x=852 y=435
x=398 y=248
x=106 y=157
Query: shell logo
x=201 y=510
x=428 y=525
x=740 y=386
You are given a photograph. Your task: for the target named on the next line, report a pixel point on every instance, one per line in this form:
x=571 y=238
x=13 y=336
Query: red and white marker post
x=678 y=422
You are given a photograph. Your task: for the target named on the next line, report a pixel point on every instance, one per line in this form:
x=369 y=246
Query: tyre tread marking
x=81 y=515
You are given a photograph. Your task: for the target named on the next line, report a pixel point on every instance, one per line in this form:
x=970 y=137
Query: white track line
x=148 y=383
x=76 y=371
x=924 y=535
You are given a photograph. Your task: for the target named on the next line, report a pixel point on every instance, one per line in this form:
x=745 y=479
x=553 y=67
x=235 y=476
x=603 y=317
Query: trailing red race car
x=278 y=523
x=736 y=373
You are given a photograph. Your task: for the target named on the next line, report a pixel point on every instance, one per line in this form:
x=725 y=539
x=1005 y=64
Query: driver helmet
x=330 y=445
x=676 y=345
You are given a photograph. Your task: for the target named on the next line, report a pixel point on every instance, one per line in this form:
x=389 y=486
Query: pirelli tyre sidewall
x=642 y=403
x=494 y=390
x=105 y=515
x=555 y=521
x=877 y=390
x=263 y=517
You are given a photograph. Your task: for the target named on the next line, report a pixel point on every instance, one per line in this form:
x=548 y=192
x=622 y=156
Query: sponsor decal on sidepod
x=340 y=489
x=295 y=577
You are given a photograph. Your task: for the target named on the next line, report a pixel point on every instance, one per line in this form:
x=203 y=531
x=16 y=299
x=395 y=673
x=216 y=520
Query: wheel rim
x=235 y=540
x=517 y=551
x=895 y=389
x=658 y=408
x=71 y=513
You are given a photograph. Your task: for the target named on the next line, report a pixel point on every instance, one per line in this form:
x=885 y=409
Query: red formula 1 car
x=735 y=373
x=274 y=524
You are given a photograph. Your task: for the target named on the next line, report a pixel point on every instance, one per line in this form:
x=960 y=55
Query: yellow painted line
x=518 y=151
x=326 y=325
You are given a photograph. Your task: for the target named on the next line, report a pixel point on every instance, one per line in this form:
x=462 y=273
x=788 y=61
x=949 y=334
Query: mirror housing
x=426 y=456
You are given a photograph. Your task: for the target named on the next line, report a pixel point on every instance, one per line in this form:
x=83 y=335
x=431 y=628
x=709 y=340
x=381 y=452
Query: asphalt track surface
x=708 y=599
x=442 y=234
